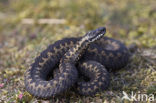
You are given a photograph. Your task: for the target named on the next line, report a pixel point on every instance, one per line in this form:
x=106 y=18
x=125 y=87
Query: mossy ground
x=131 y=21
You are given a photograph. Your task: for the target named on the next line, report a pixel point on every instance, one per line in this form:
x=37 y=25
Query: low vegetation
x=131 y=21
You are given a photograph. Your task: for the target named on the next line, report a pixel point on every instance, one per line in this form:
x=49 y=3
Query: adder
x=83 y=63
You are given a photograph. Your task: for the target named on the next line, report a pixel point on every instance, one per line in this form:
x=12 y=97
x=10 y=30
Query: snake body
x=77 y=58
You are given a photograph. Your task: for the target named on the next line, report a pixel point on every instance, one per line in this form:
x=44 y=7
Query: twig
x=43 y=21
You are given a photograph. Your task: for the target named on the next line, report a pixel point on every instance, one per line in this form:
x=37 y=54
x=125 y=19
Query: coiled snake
x=77 y=58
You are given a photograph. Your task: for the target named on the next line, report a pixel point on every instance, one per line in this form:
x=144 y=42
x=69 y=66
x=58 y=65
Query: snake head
x=95 y=34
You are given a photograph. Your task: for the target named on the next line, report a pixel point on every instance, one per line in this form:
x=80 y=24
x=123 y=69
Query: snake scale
x=82 y=63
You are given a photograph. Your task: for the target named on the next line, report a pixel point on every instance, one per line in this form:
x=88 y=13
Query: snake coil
x=82 y=63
